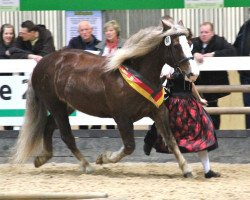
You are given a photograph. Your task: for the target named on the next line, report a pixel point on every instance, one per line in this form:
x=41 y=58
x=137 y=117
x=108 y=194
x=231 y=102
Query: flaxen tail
x=30 y=138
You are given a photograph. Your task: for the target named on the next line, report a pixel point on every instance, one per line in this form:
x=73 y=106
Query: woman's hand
x=203 y=102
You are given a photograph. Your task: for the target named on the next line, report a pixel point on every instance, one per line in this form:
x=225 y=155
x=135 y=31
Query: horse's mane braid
x=141 y=43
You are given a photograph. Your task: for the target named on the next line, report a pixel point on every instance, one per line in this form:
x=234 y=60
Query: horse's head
x=177 y=51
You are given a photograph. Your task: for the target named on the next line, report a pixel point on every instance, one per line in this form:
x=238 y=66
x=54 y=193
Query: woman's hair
x=3 y=27
x=114 y=24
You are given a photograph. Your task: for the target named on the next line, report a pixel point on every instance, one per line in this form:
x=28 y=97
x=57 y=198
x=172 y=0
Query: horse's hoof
x=99 y=160
x=103 y=158
x=88 y=169
x=38 y=162
x=188 y=175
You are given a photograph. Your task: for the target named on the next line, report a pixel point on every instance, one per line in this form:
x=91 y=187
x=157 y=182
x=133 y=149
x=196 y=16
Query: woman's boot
x=150 y=140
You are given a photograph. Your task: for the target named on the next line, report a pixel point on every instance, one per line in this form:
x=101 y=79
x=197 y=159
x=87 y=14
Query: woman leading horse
x=70 y=80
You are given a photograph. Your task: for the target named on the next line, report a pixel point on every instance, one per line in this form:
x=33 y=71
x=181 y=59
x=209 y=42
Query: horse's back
x=71 y=76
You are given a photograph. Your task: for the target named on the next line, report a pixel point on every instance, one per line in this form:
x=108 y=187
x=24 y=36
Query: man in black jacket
x=35 y=41
x=85 y=40
x=208 y=44
x=242 y=45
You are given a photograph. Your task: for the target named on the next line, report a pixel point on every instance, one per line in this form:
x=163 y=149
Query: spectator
x=242 y=45
x=112 y=42
x=208 y=44
x=7 y=37
x=35 y=40
x=85 y=40
x=189 y=122
x=6 y=41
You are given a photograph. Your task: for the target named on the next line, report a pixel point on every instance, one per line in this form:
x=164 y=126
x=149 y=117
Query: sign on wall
x=74 y=17
x=9 y=5
x=204 y=3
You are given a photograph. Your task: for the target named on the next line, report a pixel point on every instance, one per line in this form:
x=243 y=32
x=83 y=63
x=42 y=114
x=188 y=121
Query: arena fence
x=12 y=107
x=225 y=89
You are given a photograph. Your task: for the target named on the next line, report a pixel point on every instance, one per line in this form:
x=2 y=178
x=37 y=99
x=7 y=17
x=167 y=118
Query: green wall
x=26 y=5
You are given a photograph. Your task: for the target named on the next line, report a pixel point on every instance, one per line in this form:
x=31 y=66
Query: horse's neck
x=149 y=67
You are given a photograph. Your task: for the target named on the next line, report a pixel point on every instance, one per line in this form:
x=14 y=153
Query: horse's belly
x=90 y=104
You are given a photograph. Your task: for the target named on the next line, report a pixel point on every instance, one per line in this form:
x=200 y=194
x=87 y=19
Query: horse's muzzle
x=192 y=77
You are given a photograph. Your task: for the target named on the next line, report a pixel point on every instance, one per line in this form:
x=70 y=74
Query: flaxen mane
x=142 y=43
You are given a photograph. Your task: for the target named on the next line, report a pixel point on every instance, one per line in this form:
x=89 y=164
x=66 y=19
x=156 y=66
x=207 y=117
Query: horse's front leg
x=127 y=134
x=163 y=127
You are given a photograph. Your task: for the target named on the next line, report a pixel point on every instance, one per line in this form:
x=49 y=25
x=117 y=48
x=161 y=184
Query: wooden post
x=56 y=195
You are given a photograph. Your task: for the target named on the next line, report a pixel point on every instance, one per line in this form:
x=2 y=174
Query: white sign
x=204 y=3
x=74 y=17
x=9 y=5
x=12 y=92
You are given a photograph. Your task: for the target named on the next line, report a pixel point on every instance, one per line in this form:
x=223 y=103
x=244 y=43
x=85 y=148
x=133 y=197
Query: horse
x=69 y=80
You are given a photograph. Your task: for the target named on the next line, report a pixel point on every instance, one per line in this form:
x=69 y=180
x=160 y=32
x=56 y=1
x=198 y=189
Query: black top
x=221 y=48
x=242 y=44
x=178 y=85
x=43 y=46
x=3 y=49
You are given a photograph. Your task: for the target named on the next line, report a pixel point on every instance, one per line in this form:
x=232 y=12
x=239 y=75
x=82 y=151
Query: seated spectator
x=33 y=42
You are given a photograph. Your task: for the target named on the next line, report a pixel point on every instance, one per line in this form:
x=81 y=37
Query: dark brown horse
x=70 y=80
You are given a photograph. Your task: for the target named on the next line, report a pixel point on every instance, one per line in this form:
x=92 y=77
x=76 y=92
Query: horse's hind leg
x=60 y=115
x=47 y=152
x=163 y=127
x=127 y=134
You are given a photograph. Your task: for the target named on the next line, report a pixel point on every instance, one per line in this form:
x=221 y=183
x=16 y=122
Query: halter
x=178 y=63
x=178 y=69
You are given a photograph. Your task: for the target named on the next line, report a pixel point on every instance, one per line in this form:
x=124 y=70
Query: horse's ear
x=180 y=23
x=166 y=25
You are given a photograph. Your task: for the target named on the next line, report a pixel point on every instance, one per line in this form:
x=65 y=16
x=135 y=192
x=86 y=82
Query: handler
x=191 y=125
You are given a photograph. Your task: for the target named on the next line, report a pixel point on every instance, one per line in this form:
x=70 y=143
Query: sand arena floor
x=127 y=180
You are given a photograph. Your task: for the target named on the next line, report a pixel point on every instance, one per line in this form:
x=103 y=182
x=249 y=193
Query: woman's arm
x=197 y=95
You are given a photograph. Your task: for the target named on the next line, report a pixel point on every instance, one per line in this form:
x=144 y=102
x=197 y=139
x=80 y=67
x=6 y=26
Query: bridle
x=177 y=63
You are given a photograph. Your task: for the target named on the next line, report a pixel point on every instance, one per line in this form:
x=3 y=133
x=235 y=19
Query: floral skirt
x=191 y=125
